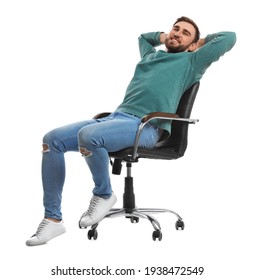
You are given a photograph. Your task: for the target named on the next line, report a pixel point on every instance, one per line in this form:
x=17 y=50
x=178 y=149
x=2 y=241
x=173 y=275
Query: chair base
x=130 y=211
x=134 y=217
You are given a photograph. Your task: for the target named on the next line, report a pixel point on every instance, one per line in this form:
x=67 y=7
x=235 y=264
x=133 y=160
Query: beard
x=172 y=47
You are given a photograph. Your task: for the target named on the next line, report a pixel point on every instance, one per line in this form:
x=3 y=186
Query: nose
x=177 y=34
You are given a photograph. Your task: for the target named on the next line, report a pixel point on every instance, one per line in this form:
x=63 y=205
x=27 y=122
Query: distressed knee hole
x=85 y=152
x=46 y=148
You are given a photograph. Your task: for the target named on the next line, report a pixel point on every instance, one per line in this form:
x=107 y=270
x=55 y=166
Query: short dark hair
x=186 y=19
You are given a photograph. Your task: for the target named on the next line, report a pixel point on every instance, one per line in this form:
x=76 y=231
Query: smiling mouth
x=175 y=40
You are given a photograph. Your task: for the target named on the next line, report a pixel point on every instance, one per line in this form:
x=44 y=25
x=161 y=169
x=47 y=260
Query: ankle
x=53 y=220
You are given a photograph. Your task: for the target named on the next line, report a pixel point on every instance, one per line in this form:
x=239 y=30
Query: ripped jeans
x=94 y=139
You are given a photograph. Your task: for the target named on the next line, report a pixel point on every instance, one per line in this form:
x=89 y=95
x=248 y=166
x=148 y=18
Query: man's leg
x=55 y=144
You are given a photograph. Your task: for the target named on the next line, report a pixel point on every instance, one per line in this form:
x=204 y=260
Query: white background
x=65 y=61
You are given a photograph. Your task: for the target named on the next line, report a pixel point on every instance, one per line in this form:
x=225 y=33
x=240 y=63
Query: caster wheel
x=92 y=233
x=157 y=234
x=179 y=225
x=134 y=220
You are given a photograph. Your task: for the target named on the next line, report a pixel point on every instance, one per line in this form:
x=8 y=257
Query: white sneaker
x=97 y=210
x=46 y=231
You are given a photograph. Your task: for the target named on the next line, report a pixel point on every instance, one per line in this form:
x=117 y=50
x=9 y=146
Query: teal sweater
x=160 y=78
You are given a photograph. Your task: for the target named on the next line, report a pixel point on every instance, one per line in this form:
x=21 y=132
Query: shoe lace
x=41 y=227
x=92 y=205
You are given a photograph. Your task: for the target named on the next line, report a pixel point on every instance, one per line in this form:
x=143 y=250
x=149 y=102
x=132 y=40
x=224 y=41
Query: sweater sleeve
x=216 y=45
x=148 y=42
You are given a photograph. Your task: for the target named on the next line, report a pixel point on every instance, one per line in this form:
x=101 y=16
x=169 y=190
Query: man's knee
x=85 y=137
x=52 y=143
x=88 y=140
x=46 y=148
x=85 y=152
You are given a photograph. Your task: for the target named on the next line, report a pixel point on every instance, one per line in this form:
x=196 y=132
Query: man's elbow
x=231 y=38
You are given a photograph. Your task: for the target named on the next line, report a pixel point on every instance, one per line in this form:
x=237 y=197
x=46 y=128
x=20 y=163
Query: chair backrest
x=178 y=140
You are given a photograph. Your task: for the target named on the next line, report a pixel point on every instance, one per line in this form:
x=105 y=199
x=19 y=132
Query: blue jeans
x=94 y=139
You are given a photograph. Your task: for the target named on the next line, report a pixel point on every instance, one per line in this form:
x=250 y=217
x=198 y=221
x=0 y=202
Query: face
x=181 y=38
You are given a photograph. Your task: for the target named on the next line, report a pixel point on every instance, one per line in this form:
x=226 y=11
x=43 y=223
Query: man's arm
x=211 y=48
x=148 y=42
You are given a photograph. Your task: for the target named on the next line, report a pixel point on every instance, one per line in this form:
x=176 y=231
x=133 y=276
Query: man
x=158 y=83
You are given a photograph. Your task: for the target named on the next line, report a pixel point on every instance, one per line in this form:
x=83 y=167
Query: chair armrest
x=157 y=115
x=101 y=115
x=165 y=116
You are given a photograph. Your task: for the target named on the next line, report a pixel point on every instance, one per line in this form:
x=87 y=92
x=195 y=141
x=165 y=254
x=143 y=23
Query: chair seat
x=166 y=153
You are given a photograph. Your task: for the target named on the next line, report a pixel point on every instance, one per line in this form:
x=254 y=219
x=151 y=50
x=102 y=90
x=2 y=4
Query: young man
x=158 y=83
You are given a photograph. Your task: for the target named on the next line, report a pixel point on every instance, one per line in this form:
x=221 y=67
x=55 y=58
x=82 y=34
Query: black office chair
x=173 y=147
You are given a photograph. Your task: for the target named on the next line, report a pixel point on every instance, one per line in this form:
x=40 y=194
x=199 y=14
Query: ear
x=193 y=47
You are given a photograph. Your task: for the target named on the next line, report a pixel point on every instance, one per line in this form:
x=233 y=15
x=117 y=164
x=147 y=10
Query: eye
x=186 y=33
